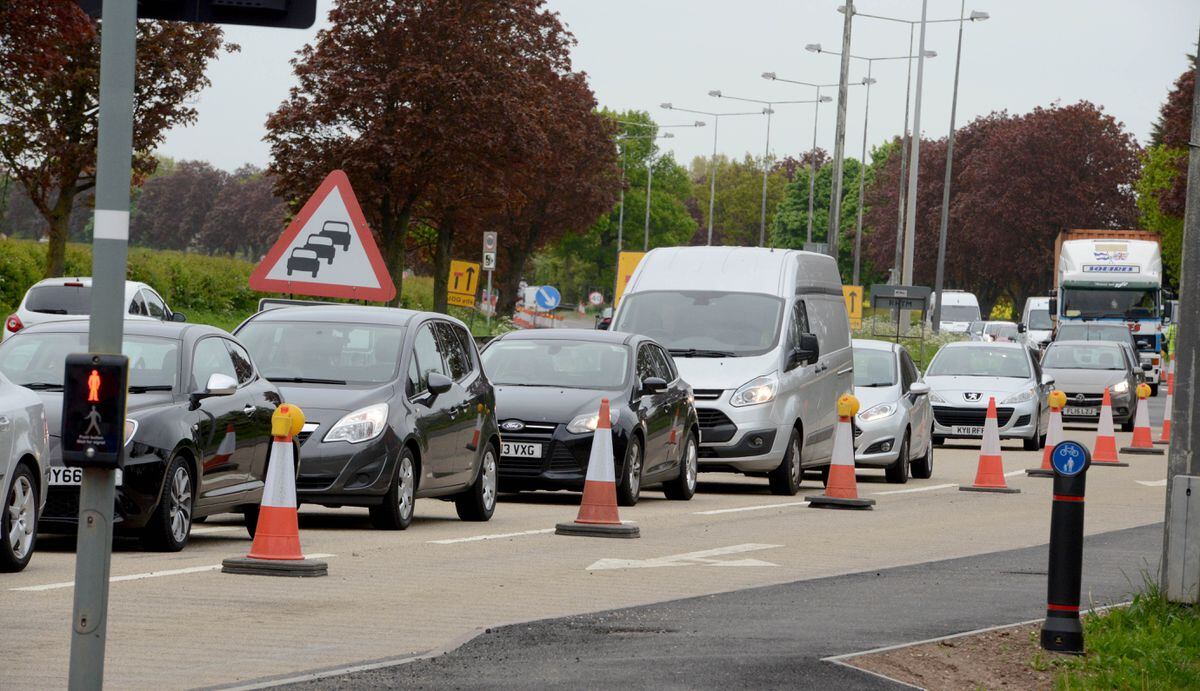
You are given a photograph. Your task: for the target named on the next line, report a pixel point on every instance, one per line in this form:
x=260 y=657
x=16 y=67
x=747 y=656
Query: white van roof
x=958 y=297
x=736 y=270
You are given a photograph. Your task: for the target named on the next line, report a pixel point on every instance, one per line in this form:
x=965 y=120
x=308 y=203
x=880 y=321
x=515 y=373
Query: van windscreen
x=704 y=323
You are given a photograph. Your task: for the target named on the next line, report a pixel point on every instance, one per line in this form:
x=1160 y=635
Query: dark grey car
x=1083 y=369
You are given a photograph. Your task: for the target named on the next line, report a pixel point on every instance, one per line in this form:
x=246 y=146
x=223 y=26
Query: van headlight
x=582 y=424
x=877 y=412
x=1121 y=387
x=362 y=425
x=758 y=390
x=1020 y=397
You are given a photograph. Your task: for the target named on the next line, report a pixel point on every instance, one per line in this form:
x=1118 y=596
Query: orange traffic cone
x=1165 y=437
x=474 y=443
x=841 y=491
x=598 y=510
x=1142 y=444
x=276 y=548
x=1105 y=448
x=989 y=477
x=1054 y=435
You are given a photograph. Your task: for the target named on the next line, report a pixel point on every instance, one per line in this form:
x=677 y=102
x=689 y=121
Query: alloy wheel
x=489 y=479
x=405 y=495
x=21 y=517
x=181 y=504
x=690 y=465
x=635 y=469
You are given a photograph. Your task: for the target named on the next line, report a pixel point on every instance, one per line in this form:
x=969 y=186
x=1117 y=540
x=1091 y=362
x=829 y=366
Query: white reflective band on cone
x=281 y=477
x=598 y=469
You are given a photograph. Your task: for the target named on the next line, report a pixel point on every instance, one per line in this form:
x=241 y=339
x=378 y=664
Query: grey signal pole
x=649 y=182
x=93 y=552
x=762 y=219
x=945 y=221
x=897 y=263
x=839 y=137
x=862 y=176
x=1185 y=414
x=914 y=167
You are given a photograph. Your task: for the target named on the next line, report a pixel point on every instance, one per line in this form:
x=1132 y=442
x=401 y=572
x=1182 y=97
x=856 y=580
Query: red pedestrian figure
x=94 y=387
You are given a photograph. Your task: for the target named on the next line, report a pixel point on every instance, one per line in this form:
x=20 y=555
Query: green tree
x=737 y=209
x=1160 y=169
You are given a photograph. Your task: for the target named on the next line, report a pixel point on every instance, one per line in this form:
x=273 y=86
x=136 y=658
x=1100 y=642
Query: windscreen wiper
x=43 y=386
x=134 y=388
x=693 y=352
x=306 y=380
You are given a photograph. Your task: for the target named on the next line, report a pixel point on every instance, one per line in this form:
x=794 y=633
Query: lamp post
x=712 y=164
x=649 y=176
x=868 y=81
x=621 y=213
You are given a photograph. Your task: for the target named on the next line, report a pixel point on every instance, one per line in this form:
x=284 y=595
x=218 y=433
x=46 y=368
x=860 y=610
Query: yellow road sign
x=462 y=282
x=627 y=262
x=854 y=304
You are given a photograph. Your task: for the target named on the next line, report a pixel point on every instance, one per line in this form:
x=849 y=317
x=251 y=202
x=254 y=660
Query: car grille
x=521 y=466
x=1089 y=399
x=707 y=394
x=948 y=417
x=715 y=426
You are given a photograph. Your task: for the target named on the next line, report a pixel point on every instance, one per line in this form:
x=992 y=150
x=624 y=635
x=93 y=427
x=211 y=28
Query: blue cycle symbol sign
x=1069 y=458
x=548 y=298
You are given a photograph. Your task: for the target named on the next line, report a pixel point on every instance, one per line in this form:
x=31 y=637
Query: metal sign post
x=1062 y=631
x=93 y=552
x=489 y=265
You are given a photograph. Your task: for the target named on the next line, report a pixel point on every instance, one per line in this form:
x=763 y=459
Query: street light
x=712 y=163
x=868 y=81
x=768 y=111
x=621 y=212
x=696 y=123
x=650 y=179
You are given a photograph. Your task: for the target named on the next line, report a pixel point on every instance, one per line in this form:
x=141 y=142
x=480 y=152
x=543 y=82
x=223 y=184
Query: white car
x=55 y=299
x=24 y=436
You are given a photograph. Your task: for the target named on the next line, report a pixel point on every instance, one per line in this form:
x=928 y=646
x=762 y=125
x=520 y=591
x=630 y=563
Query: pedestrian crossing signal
x=93 y=418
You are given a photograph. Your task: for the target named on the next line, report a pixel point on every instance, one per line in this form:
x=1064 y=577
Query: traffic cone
x=989 y=477
x=276 y=548
x=1142 y=444
x=224 y=451
x=841 y=491
x=478 y=428
x=1105 y=448
x=598 y=510
x=1054 y=435
x=1165 y=437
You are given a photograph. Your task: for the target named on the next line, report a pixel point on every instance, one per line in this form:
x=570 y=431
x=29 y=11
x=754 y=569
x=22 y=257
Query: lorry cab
x=959 y=309
x=763 y=337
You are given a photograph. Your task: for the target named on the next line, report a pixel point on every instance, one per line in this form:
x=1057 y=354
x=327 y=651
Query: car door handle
x=249 y=409
x=821 y=367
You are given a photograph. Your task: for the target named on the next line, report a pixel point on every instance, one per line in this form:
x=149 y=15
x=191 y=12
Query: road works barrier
x=1054 y=435
x=1142 y=442
x=841 y=491
x=598 y=510
x=989 y=477
x=276 y=548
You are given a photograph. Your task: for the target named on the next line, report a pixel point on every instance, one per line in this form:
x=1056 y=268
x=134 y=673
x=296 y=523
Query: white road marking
x=758 y=507
x=915 y=489
x=704 y=557
x=143 y=576
x=1153 y=483
x=216 y=529
x=499 y=536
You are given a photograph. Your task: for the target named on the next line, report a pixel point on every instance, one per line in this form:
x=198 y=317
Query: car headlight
x=582 y=424
x=1020 y=397
x=1121 y=387
x=130 y=430
x=758 y=390
x=934 y=398
x=362 y=425
x=877 y=412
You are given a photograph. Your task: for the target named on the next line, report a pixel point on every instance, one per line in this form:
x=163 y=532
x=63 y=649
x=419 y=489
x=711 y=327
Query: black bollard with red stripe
x=1062 y=632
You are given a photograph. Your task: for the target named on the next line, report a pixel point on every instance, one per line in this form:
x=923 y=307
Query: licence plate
x=520 y=450
x=1081 y=412
x=968 y=430
x=71 y=477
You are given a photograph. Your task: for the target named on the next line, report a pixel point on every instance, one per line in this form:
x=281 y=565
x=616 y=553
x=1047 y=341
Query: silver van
x=763 y=337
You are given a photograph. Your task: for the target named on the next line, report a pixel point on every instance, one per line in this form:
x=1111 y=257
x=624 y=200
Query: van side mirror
x=804 y=352
x=1021 y=328
x=653 y=385
x=439 y=383
x=1053 y=307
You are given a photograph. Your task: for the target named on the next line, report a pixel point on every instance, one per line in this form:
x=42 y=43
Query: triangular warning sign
x=327 y=251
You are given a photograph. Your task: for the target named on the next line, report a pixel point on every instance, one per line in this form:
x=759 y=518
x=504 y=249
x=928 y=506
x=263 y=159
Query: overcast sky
x=639 y=53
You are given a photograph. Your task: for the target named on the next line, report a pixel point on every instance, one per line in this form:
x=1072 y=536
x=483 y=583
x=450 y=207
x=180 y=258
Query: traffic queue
x=718 y=359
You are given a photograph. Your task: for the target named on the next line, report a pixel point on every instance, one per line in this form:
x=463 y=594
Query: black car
x=548 y=389
x=198 y=427
x=396 y=403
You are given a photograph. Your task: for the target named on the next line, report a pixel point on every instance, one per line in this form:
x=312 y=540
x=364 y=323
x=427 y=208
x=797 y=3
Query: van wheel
x=683 y=486
x=396 y=511
x=897 y=473
x=785 y=480
x=630 y=486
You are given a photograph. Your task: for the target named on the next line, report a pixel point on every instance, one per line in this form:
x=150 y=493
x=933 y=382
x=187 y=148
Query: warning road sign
x=463 y=280
x=327 y=251
x=854 y=298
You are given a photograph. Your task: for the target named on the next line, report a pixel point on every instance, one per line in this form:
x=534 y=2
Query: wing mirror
x=1147 y=367
x=805 y=352
x=439 y=383
x=653 y=385
x=918 y=388
x=1053 y=307
x=1021 y=328
x=178 y=317
x=1047 y=380
x=218 y=385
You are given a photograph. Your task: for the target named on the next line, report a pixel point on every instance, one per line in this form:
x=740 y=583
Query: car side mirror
x=178 y=317
x=918 y=388
x=1047 y=380
x=218 y=385
x=1021 y=328
x=653 y=385
x=602 y=324
x=439 y=383
x=805 y=352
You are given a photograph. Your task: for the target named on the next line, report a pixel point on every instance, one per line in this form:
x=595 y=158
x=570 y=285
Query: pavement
x=175 y=620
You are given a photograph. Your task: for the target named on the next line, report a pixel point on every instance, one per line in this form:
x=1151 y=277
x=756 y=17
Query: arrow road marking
x=1153 y=483
x=703 y=557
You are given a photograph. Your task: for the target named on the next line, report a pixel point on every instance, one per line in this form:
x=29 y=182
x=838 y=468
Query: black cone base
x=1114 y=464
x=1142 y=451
x=1160 y=442
x=998 y=490
x=1039 y=472
x=299 y=568
x=821 y=501
x=597 y=530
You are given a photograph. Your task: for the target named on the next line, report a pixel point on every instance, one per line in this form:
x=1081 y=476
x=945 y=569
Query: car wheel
x=683 y=487
x=171 y=524
x=630 y=486
x=1153 y=390
x=785 y=480
x=18 y=524
x=479 y=502
x=922 y=468
x=396 y=511
x=897 y=473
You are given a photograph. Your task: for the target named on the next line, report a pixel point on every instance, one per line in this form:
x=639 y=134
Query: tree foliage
x=49 y=93
x=1162 y=187
x=737 y=209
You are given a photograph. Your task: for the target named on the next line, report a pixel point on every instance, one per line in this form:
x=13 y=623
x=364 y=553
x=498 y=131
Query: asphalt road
x=772 y=637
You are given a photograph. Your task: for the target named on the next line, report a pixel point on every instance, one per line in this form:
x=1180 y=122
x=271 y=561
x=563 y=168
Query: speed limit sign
x=489 y=250
x=596 y=298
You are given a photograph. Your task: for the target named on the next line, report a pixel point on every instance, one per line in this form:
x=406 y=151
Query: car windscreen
x=874 y=367
x=1125 y=303
x=61 y=299
x=979 y=362
x=959 y=313
x=38 y=359
x=709 y=322
x=559 y=363
x=1039 y=320
x=323 y=352
x=1061 y=356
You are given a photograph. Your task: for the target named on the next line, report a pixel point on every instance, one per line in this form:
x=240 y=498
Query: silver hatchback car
x=24 y=436
x=894 y=426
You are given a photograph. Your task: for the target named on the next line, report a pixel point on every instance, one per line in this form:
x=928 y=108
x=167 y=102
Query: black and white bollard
x=1062 y=631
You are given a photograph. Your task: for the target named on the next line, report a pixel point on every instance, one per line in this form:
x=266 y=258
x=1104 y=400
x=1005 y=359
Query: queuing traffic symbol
x=328 y=250
x=547 y=298
x=462 y=282
x=854 y=299
x=93 y=412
